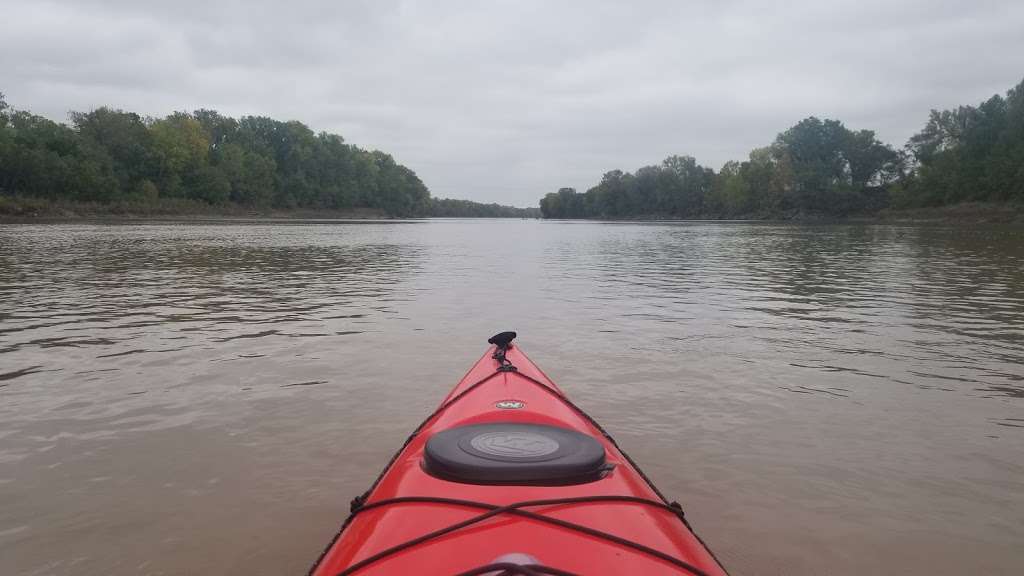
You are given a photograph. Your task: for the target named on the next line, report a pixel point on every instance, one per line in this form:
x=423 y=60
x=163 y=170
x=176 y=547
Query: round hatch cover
x=513 y=444
x=514 y=453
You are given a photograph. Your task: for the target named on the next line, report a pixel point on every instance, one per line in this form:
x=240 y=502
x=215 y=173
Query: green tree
x=124 y=138
x=731 y=192
x=219 y=129
x=112 y=155
x=688 y=186
x=250 y=175
x=452 y=208
x=969 y=154
x=209 y=184
x=179 y=143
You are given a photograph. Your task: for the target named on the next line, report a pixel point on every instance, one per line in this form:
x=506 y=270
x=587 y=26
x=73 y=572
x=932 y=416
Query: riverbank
x=24 y=209
x=965 y=213
x=15 y=209
x=969 y=213
x=29 y=209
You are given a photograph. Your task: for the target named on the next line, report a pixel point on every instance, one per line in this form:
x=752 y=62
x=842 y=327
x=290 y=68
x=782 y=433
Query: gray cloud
x=505 y=101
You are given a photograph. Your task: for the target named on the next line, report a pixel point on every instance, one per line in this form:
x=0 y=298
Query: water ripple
x=821 y=380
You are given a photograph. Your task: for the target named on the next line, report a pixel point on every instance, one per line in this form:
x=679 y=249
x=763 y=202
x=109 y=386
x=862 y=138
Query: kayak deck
x=403 y=524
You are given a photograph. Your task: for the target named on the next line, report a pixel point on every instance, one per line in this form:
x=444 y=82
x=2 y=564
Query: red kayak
x=507 y=477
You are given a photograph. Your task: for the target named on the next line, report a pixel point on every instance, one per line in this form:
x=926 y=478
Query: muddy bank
x=18 y=209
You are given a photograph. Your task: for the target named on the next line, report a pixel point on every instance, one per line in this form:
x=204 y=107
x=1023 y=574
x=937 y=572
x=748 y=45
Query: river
x=205 y=398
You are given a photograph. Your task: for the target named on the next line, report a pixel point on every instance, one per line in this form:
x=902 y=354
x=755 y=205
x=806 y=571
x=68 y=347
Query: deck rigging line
x=360 y=504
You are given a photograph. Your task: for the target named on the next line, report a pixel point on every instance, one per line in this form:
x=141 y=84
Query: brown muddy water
x=206 y=398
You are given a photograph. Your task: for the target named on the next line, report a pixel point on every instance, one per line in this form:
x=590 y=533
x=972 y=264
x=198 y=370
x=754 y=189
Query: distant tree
x=219 y=129
x=250 y=175
x=39 y=157
x=111 y=155
x=969 y=154
x=180 y=149
x=688 y=185
x=6 y=137
x=451 y=208
x=731 y=192
x=817 y=166
x=124 y=138
x=550 y=207
x=677 y=187
x=822 y=167
x=209 y=184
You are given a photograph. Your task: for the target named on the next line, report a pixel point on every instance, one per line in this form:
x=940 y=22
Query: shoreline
x=965 y=213
x=26 y=210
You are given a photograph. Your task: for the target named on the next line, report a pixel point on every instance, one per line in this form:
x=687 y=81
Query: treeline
x=109 y=155
x=451 y=208
x=822 y=168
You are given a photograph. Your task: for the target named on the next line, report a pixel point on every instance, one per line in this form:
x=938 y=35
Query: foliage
x=109 y=155
x=451 y=208
x=969 y=154
x=821 y=168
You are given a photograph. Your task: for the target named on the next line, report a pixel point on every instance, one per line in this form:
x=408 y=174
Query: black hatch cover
x=514 y=453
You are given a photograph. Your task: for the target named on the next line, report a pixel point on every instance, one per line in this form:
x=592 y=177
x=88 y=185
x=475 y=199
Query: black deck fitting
x=502 y=340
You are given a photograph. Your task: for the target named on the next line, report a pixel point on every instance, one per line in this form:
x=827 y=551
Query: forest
x=822 y=168
x=203 y=158
x=818 y=167
x=450 y=208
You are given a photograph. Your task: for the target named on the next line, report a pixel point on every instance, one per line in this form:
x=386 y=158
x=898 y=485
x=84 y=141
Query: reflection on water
x=205 y=399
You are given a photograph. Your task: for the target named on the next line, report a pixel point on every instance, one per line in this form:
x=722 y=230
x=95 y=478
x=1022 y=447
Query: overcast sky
x=506 y=101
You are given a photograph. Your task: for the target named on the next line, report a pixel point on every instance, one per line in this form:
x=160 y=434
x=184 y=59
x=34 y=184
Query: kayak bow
x=508 y=476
